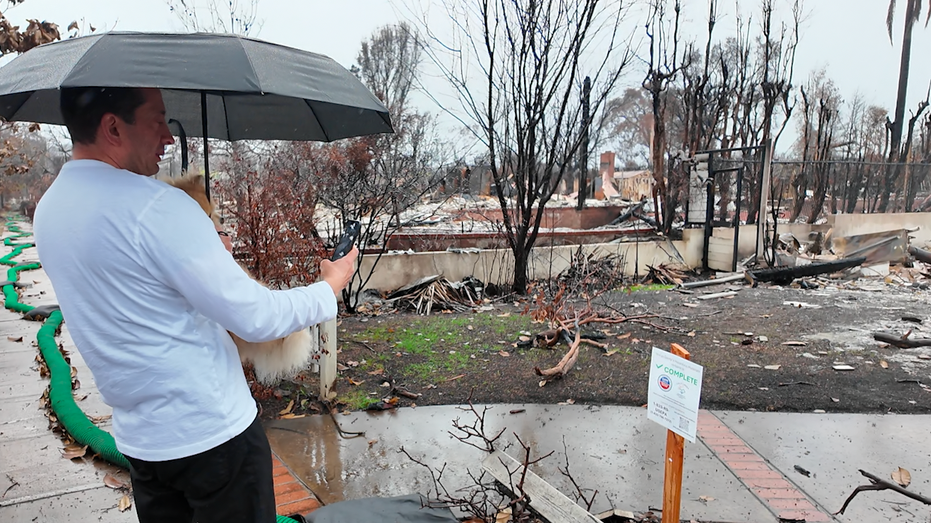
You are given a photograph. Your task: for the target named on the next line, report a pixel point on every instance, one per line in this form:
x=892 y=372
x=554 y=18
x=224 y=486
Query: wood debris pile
x=436 y=292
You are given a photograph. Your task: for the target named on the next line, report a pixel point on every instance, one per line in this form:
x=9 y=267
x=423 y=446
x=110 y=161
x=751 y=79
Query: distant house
x=634 y=185
x=628 y=185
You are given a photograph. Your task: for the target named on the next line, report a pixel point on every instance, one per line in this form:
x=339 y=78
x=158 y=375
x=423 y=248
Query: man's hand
x=338 y=273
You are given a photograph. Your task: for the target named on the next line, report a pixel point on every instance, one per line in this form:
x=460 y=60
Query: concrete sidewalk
x=741 y=469
x=743 y=460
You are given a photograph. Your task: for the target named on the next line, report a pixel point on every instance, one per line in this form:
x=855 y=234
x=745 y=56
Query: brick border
x=767 y=483
x=291 y=495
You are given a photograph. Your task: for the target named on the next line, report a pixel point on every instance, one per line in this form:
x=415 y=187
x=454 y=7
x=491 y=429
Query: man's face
x=145 y=140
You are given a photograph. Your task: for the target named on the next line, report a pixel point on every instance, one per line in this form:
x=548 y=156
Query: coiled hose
x=61 y=398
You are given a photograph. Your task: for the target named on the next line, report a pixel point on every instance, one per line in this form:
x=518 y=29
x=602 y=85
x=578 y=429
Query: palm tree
x=912 y=15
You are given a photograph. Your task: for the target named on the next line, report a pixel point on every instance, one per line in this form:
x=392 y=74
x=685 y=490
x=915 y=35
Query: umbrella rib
x=226 y=118
x=326 y=135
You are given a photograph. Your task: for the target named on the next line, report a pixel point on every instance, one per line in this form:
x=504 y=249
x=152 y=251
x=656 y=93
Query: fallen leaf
x=504 y=315
x=772 y=367
x=74 y=451
x=612 y=352
x=293 y=416
x=902 y=477
x=354 y=382
x=16 y=338
x=454 y=378
x=524 y=338
x=690 y=305
x=795 y=344
x=377 y=372
x=113 y=483
x=504 y=516
x=624 y=336
x=843 y=367
x=352 y=363
x=125 y=503
x=288 y=408
x=691 y=334
x=504 y=353
x=542 y=383
x=924 y=356
x=884 y=364
x=835 y=400
x=569 y=401
x=385 y=384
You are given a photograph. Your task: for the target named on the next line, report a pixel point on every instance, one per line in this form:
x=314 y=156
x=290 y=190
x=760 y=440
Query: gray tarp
x=402 y=509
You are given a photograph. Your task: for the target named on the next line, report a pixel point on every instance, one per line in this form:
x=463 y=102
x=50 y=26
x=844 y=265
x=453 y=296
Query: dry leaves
x=292 y=416
x=902 y=477
x=17 y=339
x=74 y=451
x=114 y=483
x=354 y=382
x=884 y=364
x=125 y=503
x=287 y=409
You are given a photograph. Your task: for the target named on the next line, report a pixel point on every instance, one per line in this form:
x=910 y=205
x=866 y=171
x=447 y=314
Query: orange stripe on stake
x=675 y=450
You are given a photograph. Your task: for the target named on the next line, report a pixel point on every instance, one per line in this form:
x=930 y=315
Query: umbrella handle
x=183 y=138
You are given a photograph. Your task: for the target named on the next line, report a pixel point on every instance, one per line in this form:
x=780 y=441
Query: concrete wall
x=496 y=266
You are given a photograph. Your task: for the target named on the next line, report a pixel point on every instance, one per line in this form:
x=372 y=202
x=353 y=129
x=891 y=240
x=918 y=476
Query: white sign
x=675 y=390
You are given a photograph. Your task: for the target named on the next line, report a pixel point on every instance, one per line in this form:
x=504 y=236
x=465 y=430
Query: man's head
x=124 y=127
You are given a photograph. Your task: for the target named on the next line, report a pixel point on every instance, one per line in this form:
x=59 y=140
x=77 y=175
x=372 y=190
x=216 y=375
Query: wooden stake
x=675 y=449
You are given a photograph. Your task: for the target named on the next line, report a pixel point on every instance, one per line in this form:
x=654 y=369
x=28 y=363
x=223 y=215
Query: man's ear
x=109 y=129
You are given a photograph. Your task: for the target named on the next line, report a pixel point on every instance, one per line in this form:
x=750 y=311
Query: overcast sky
x=847 y=37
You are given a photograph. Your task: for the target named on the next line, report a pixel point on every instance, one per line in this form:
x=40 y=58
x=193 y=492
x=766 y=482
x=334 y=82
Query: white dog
x=273 y=360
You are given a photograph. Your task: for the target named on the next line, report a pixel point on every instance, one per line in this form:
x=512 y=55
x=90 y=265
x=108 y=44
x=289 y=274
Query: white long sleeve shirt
x=148 y=293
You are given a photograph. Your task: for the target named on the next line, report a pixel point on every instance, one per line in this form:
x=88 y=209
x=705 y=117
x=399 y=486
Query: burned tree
x=524 y=105
x=898 y=154
x=375 y=179
x=663 y=66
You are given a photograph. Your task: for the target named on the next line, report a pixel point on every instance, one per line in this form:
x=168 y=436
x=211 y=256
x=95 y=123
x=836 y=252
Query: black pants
x=229 y=483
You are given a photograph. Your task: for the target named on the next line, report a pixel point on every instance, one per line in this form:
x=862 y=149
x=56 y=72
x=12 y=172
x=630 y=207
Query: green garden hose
x=61 y=397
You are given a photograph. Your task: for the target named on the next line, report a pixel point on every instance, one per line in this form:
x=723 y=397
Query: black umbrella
x=247 y=89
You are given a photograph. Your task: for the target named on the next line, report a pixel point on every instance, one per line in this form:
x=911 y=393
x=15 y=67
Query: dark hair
x=84 y=107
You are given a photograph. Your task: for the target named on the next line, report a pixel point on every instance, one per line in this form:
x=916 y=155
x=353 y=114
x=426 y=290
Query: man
x=148 y=292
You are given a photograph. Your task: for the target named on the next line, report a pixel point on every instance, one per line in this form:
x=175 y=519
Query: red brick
x=767 y=483
x=291 y=497
x=300 y=507
x=777 y=493
x=717 y=441
x=745 y=462
x=804 y=515
x=288 y=487
x=791 y=504
x=733 y=449
x=759 y=474
x=285 y=478
x=277 y=471
x=275 y=461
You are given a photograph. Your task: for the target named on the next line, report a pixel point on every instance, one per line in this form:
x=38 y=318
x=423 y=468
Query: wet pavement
x=740 y=470
x=617 y=451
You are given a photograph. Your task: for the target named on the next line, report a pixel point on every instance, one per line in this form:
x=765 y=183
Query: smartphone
x=346 y=241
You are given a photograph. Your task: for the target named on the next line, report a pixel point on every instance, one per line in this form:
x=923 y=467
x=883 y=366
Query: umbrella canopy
x=252 y=90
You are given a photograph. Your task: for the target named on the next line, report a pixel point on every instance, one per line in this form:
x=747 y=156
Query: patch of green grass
x=421 y=371
x=356 y=399
x=446 y=343
x=650 y=287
